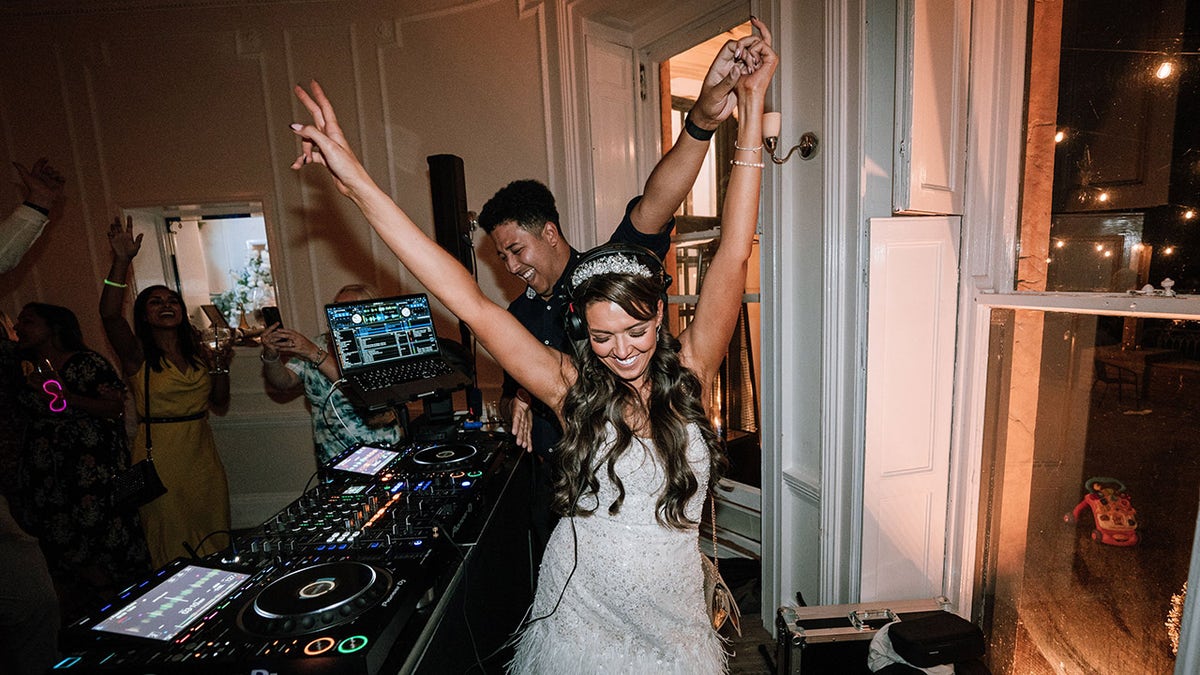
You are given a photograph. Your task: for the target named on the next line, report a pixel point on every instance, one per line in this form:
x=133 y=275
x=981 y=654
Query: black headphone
x=573 y=321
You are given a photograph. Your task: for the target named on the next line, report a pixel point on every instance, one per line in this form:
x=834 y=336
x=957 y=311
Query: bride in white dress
x=621 y=586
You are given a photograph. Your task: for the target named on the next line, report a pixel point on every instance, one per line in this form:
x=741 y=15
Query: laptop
x=388 y=352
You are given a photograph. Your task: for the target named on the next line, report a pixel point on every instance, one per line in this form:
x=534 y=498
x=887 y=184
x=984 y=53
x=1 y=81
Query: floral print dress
x=67 y=465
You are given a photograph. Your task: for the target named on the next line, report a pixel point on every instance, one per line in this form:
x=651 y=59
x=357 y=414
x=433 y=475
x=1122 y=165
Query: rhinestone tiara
x=615 y=263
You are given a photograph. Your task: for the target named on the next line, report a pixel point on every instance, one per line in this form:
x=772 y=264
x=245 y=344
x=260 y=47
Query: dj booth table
x=411 y=559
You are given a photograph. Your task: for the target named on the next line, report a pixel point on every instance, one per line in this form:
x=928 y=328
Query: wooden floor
x=753 y=653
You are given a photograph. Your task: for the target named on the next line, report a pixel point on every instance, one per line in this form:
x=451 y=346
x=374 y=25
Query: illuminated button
x=319 y=646
x=352 y=644
x=66 y=663
x=474 y=474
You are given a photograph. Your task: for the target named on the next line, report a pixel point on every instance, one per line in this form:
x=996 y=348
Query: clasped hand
x=277 y=340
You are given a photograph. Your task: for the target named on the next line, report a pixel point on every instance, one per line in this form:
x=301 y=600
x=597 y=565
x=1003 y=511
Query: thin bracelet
x=753 y=165
x=262 y=356
x=754 y=149
x=110 y=282
x=695 y=131
x=318 y=362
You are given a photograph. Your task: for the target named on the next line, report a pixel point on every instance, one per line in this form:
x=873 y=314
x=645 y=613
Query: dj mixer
x=348 y=578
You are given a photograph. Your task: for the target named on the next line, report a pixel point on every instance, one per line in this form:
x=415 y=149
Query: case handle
x=860 y=617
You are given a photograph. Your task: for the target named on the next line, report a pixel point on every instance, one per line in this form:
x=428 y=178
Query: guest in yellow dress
x=165 y=363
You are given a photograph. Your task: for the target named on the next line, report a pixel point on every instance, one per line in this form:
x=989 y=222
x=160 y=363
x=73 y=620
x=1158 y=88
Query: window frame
x=996 y=147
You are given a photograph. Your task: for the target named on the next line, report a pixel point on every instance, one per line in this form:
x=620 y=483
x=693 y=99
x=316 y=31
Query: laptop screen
x=369 y=333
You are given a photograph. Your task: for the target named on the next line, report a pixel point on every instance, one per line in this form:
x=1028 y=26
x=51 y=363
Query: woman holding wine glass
x=73 y=446
x=175 y=380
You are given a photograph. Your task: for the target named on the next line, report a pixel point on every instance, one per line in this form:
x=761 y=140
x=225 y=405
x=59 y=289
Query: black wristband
x=696 y=132
x=35 y=207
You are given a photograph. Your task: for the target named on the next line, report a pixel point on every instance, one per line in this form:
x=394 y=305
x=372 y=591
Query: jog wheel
x=441 y=456
x=315 y=598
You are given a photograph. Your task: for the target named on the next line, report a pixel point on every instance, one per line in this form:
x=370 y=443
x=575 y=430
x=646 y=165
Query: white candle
x=771 y=124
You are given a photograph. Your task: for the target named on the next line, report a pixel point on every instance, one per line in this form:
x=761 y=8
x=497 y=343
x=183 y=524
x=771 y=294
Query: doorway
x=211 y=254
x=735 y=394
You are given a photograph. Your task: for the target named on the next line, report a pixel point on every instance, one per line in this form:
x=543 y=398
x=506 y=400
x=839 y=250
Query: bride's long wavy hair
x=599 y=398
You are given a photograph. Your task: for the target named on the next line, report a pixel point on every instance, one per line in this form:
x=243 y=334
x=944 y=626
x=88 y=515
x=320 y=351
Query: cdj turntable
x=333 y=583
x=302 y=616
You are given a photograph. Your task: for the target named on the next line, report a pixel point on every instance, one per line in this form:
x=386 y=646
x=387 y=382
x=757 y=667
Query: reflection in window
x=1114 y=125
x=1066 y=405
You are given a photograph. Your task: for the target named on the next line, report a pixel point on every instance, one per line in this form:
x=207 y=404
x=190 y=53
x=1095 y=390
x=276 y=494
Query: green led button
x=352 y=644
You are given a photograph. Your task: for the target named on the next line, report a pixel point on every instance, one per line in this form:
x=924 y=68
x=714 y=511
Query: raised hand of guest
x=277 y=341
x=41 y=185
x=120 y=237
x=717 y=99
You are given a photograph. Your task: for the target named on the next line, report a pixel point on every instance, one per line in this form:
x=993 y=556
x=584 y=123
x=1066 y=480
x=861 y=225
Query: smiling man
x=524 y=225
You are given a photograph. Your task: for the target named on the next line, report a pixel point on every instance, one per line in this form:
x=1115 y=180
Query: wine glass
x=217 y=338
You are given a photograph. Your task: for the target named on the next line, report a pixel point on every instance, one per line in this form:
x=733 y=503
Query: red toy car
x=1113 y=514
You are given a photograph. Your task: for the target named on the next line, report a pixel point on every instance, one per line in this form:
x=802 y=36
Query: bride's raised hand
x=759 y=59
x=323 y=142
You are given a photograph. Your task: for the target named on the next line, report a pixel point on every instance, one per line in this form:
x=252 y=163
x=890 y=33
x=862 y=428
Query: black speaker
x=624 y=257
x=451 y=224
x=452 y=230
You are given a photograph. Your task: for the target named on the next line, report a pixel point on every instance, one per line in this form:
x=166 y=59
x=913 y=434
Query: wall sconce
x=772 y=123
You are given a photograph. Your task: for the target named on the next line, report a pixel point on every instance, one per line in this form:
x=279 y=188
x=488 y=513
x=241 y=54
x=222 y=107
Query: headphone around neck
x=612 y=258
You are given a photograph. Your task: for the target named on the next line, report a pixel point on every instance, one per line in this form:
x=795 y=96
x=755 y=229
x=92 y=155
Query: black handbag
x=139 y=484
x=937 y=639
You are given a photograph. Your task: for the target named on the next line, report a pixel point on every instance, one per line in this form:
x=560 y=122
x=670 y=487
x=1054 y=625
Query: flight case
x=834 y=639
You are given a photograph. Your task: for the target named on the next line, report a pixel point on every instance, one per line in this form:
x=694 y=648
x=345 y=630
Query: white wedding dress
x=634 y=590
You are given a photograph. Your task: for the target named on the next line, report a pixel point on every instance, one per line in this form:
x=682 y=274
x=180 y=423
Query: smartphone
x=270 y=316
x=214 y=316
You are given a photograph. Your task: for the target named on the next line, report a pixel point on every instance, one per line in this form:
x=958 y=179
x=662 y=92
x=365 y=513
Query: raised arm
x=112 y=297
x=706 y=339
x=42 y=189
x=542 y=370
x=676 y=172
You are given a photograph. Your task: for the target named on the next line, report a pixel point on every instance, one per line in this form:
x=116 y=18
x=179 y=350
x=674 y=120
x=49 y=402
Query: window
x=1092 y=376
